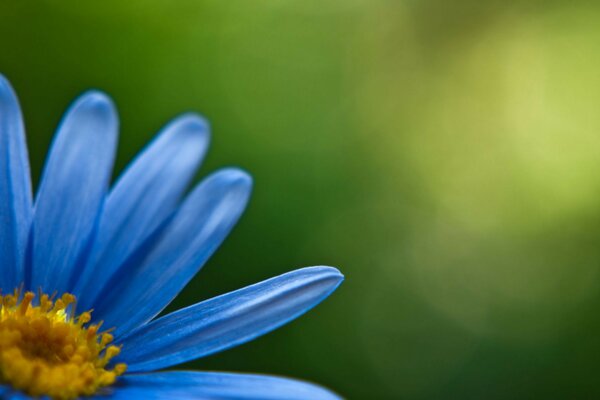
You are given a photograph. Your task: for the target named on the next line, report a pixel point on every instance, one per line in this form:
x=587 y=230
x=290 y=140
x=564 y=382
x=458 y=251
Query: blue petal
x=15 y=189
x=148 y=282
x=18 y=396
x=228 y=320
x=72 y=190
x=8 y=393
x=146 y=193
x=216 y=386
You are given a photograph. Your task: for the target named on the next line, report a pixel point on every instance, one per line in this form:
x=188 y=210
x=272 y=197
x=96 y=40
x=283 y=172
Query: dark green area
x=444 y=155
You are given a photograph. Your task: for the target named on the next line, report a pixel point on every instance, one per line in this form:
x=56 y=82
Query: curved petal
x=148 y=282
x=72 y=190
x=15 y=189
x=145 y=194
x=216 y=386
x=228 y=320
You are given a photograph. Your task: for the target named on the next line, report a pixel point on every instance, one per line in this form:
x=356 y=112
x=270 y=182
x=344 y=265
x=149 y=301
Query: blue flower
x=126 y=252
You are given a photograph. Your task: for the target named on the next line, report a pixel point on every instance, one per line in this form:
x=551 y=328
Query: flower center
x=45 y=350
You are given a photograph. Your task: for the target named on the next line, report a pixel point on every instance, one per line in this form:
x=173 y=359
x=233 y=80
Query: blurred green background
x=444 y=155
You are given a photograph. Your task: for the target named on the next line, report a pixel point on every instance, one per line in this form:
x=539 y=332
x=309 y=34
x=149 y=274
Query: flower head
x=87 y=268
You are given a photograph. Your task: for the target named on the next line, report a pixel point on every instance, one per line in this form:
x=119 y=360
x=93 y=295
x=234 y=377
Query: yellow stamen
x=47 y=351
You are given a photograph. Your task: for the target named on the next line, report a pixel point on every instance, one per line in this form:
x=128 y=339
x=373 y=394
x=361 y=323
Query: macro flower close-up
x=441 y=154
x=88 y=266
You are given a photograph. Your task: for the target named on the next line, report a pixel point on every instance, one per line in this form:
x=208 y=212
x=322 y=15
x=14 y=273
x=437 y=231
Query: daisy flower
x=86 y=269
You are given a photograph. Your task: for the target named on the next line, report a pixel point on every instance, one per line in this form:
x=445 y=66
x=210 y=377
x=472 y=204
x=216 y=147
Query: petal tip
x=236 y=176
x=193 y=128
x=7 y=93
x=4 y=82
x=194 y=121
x=96 y=102
x=334 y=273
x=326 y=273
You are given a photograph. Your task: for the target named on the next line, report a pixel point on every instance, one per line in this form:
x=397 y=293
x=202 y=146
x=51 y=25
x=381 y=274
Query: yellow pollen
x=47 y=351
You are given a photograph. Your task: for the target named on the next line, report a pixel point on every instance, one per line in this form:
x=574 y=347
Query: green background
x=443 y=154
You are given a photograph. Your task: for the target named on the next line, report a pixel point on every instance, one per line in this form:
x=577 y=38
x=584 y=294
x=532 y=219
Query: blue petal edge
x=227 y=320
x=216 y=385
x=15 y=189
